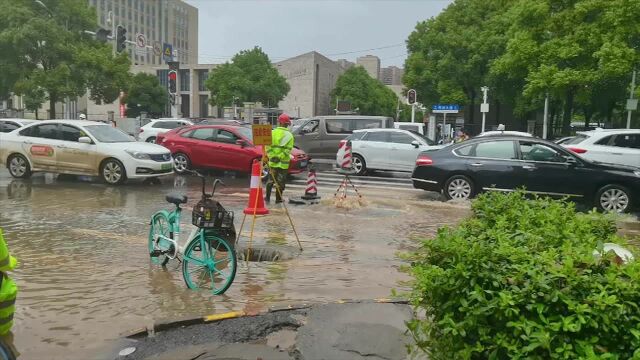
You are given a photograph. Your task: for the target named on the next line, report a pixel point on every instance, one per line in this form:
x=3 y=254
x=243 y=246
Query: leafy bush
x=519 y=280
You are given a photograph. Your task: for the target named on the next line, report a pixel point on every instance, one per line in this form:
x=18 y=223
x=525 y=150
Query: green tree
x=146 y=94
x=450 y=55
x=368 y=95
x=249 y=77
x=49 y=51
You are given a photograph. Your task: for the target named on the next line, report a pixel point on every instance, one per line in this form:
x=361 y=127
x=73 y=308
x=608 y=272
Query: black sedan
x=506 y=163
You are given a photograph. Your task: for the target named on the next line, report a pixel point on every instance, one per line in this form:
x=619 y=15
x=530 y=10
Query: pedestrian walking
x=279 y=154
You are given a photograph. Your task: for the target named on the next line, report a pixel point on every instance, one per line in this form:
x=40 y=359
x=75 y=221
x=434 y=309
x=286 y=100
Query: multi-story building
x=345 y=64
x=391 y=75
x=312 y=77
x=172 y=22
x=370 y=63
x=192 y=97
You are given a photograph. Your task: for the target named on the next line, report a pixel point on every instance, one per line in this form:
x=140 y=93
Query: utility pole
x=632 y=104
x=545 y=119
x=484 y=107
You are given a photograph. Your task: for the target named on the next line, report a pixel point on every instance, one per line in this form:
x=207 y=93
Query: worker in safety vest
x=8 y=289
x=279 y=154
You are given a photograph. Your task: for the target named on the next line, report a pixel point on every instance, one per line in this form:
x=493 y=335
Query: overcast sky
x=337 y=29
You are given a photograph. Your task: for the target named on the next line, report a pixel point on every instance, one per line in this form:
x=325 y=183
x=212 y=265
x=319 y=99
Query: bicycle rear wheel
x=205 y=267
x=159 y=226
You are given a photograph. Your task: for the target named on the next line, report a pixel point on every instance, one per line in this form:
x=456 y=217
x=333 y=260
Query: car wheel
x=151 y=139
x=112 y=172
x=359 y=165
x=181 y=163
x=458 y=187
x=19 y=166
x=613 y=198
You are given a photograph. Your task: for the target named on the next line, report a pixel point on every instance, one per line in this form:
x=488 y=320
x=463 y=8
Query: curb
x=164 y=325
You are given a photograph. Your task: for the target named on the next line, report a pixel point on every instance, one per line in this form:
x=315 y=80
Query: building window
x=203 y=75
x=185 y=80
x=204 y=105
x=163 y=77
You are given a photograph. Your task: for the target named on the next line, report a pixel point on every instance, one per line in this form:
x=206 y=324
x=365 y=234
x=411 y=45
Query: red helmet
x=284 y=119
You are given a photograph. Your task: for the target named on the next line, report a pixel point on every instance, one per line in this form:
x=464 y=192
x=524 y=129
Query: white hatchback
x=150 y=131
x=81 y=147
x=614 y=146
x=384 y=149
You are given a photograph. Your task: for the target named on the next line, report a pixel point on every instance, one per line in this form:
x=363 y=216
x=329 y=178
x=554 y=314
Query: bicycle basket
x=209 y=214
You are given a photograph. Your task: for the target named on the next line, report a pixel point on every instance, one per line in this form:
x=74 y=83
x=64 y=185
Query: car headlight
x=637 y=172
x=138 y=155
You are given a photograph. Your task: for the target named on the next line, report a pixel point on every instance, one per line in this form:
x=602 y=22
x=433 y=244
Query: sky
x=286 y=28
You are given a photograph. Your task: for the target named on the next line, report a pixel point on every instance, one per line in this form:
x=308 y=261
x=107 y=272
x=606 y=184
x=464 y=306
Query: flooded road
x=85 y=277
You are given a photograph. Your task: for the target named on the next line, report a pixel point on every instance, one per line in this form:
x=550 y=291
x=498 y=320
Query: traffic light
x=121 y=38
x=173 y=76
x=103 y=35
x=411 y=96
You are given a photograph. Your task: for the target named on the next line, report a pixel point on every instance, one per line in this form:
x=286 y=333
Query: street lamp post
x=632 y=104
x=484 y=107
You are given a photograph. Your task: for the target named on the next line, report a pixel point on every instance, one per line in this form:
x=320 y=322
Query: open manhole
x=266 y=253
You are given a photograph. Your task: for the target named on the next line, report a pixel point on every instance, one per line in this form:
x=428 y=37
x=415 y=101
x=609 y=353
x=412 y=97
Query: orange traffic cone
x=255 y=193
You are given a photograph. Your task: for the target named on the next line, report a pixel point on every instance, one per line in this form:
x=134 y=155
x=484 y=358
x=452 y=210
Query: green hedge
x=518 y=279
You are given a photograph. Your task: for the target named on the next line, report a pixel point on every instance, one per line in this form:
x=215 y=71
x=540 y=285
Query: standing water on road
x=85 y=277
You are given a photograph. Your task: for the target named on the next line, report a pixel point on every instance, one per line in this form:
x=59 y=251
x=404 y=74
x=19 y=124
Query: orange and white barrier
x=256 y=200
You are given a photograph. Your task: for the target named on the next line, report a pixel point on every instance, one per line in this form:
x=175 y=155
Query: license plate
x=303 y=164
x=166 y=166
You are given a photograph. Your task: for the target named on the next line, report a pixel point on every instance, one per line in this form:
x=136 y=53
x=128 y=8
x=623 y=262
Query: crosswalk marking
x=332 y=179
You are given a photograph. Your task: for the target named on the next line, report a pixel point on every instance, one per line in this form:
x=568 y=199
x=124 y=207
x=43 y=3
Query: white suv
x=150 y=131
x=615 y=146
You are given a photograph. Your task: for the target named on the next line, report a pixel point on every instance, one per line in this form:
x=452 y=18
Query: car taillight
x=342 y=143
x=424 y=160
x=577 y=150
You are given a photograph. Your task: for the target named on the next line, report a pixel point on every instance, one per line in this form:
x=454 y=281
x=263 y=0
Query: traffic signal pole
x=413 y=112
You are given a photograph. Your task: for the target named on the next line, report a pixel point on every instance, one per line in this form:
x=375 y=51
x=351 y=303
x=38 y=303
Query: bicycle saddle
x=176 y=199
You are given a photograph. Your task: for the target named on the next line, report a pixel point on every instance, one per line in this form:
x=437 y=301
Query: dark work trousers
x=281 y=179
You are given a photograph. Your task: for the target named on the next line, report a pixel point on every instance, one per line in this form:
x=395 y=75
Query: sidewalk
x=350 y=331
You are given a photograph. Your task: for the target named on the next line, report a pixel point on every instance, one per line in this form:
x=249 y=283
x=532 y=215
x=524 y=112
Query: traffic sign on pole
x=141 y=44
x=167 y=52
x=445 y=109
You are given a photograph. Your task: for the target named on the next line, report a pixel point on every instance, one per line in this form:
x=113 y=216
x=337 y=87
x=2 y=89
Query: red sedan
x=222 y=147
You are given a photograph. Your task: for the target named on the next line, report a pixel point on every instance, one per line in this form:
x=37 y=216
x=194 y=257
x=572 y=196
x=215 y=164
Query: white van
x=320 y=136
x=415 y=127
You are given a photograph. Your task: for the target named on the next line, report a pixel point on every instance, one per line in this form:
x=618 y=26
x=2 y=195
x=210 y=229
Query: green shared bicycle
x=209 y=257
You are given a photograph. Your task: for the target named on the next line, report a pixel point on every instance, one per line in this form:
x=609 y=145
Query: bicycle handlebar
x=204 y=179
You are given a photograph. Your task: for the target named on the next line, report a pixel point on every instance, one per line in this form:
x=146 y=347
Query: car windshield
x=576 y=140
x=295 y=124
x=246 y=133
x=108 y=134
x=426 y=139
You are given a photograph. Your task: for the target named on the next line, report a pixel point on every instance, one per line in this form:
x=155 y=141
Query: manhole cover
x=262 y=253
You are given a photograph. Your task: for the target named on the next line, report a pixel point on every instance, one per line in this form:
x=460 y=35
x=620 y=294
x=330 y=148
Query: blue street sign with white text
x=445 y=107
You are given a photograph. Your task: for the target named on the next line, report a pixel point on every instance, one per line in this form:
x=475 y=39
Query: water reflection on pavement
x=85 y=276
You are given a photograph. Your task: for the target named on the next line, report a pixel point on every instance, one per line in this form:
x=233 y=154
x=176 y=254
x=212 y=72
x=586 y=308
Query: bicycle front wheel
x=209 y=263
x=159 y=227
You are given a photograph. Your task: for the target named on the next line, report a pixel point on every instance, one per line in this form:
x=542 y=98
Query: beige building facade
x=161 y=21
x=370 y=63
x=391 y=75
x=312 y=77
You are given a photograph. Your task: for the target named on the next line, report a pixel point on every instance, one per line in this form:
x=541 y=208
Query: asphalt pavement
x=349 y=331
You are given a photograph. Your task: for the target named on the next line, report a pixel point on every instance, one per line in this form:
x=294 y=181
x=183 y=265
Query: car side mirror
x=85 y=140
x=415 y=144
x=241 y=142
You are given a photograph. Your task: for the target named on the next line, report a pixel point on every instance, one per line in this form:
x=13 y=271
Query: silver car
x=385 y=149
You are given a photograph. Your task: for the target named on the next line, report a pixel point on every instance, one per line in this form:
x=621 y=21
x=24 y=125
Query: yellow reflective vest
x=279 y=152
x=8 y=288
